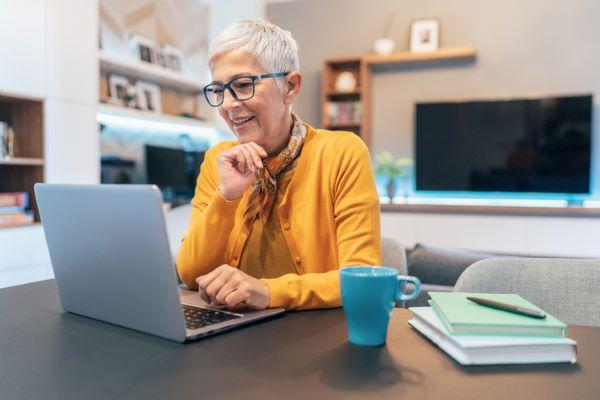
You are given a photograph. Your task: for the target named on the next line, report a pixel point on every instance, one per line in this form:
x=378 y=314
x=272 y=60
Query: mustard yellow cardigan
x=329 y=218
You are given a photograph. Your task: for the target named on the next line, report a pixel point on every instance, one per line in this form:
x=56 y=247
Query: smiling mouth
x=241 y=121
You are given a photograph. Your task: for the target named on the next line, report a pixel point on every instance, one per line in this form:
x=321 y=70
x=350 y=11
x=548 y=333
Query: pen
x=508 y=307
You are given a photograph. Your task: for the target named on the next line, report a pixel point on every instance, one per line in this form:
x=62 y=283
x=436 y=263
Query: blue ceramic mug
x=368 y=297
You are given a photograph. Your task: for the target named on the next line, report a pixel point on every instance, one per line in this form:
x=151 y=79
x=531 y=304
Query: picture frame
x=161 y=58
x=174 y=56
x=144 y=48
x=148 y=95
x=424 y=35
x=118 y=89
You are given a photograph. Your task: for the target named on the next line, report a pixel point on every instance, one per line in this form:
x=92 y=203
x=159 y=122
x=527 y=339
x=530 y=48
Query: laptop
x=110 y=254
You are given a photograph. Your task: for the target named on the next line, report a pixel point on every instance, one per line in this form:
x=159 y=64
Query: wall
x=48 y=54
x=537 y=47
x=524 y=48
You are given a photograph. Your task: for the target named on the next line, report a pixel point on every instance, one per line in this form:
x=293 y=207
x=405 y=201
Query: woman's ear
x=293 y=81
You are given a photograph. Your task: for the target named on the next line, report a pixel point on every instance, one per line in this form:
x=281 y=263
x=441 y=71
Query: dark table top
x=48 y=354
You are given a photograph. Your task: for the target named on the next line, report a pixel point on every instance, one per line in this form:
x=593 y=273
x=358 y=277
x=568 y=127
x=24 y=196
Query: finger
x=240 y=161
x=249 y=158
x=256 y=155
x=213 y=288
x=232 y=284
x=261 y=151
x=203 y=295
x=235 y=158
x=236 y=298
x=205 y=280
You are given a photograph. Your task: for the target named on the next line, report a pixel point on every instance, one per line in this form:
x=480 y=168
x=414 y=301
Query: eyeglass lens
x=243 y=87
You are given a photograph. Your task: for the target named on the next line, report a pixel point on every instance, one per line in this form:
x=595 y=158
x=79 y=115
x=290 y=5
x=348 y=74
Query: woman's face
x=265 y=118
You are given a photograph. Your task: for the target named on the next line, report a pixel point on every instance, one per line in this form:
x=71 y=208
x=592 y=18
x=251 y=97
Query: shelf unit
x=363 y=67
x=166 y=122
x=179 y=93
x=149 y=72
x=21 y=172
x=339 y=109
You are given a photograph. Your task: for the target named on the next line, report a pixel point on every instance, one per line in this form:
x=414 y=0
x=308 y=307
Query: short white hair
x=274 y=48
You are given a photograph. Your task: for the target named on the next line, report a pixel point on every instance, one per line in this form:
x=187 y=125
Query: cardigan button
x=286 y=225
x=298 y=260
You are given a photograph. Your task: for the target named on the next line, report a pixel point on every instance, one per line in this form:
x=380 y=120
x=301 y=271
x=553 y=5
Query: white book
x=488 y=350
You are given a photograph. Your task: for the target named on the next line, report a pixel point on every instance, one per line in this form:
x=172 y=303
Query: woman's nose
x=229 y=101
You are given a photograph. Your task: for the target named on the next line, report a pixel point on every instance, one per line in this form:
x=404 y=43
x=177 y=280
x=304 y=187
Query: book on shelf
x=342 y=112
x=15 y=199
x=491 y=349
x=16 y=219
x=462 y=316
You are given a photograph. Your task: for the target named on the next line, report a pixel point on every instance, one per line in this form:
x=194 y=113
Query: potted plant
x=390 y=168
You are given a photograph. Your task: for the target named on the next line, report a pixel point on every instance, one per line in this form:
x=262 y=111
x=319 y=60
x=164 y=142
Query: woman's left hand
x=229 y=286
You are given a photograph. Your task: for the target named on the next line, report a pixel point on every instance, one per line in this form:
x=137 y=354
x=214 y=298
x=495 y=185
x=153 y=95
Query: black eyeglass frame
x=228 y=86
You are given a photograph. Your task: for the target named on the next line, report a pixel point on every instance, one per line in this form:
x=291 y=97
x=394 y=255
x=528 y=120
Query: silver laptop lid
x=110 y=254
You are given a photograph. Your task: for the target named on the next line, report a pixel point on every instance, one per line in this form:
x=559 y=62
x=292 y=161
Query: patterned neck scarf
x=265 y=188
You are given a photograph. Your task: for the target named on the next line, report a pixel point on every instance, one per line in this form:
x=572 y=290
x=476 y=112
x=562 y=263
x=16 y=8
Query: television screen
x=538 y=145
x=173 y=169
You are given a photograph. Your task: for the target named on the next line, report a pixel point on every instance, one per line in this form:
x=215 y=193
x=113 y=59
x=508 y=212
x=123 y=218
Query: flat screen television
x=173 y=169
x=533 y=145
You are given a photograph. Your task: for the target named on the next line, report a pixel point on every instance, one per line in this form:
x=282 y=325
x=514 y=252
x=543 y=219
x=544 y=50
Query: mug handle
x=415 y=281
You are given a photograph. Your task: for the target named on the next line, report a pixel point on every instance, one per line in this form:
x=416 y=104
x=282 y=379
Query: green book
x=464 y=317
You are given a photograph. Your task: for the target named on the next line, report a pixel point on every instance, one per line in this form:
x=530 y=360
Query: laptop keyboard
x=198 y=317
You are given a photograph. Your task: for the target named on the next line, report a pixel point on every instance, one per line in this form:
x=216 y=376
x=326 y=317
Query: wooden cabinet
x=352 y=110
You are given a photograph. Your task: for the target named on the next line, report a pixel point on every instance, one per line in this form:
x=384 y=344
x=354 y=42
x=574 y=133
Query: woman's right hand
x=237 y=167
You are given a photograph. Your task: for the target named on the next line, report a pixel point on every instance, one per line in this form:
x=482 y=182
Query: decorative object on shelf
x=345 y=82
x=174 y=57
x=118 y=90
x=385 y=45
x=148 y=95
x=424 y=35
x=11 y=142
x=8 y=141
x=161 y=58
x=3 y=139
x=143 y=48
x=392 y=168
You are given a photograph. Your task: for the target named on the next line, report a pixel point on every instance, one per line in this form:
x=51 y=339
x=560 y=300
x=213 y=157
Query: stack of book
x=475 y=335
x=342 y=112
x=13 y=209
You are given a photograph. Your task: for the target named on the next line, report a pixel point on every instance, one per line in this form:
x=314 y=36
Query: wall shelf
x=148 y=72
x=22 y=161
x=447 y=53
x=108 y=114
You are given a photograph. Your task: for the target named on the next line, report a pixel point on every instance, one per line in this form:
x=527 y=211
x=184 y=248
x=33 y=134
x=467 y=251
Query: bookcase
x=20 y=172
x=343 y=109
x=352 y=110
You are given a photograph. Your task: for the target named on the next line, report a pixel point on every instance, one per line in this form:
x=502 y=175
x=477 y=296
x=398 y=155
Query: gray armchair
x=569 y=289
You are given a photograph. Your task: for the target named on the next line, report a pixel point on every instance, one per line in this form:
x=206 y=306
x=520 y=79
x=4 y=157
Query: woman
x=276 y=213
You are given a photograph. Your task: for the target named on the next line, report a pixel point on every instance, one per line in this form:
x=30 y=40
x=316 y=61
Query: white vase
x=384 y=46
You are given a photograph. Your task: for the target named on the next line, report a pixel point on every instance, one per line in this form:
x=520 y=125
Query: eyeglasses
x=241 y=88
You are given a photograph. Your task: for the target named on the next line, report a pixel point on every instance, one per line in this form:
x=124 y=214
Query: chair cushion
x=440 y=266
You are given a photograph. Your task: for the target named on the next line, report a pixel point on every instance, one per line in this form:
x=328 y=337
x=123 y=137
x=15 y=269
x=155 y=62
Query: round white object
x=345 y=82
x=384 y=46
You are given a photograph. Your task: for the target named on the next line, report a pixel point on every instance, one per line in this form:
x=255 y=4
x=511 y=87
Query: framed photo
x=424 y=35
x=118 y=89
x=161 y=58
x=174 y=57
x=144 y=48
x=148 y=96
